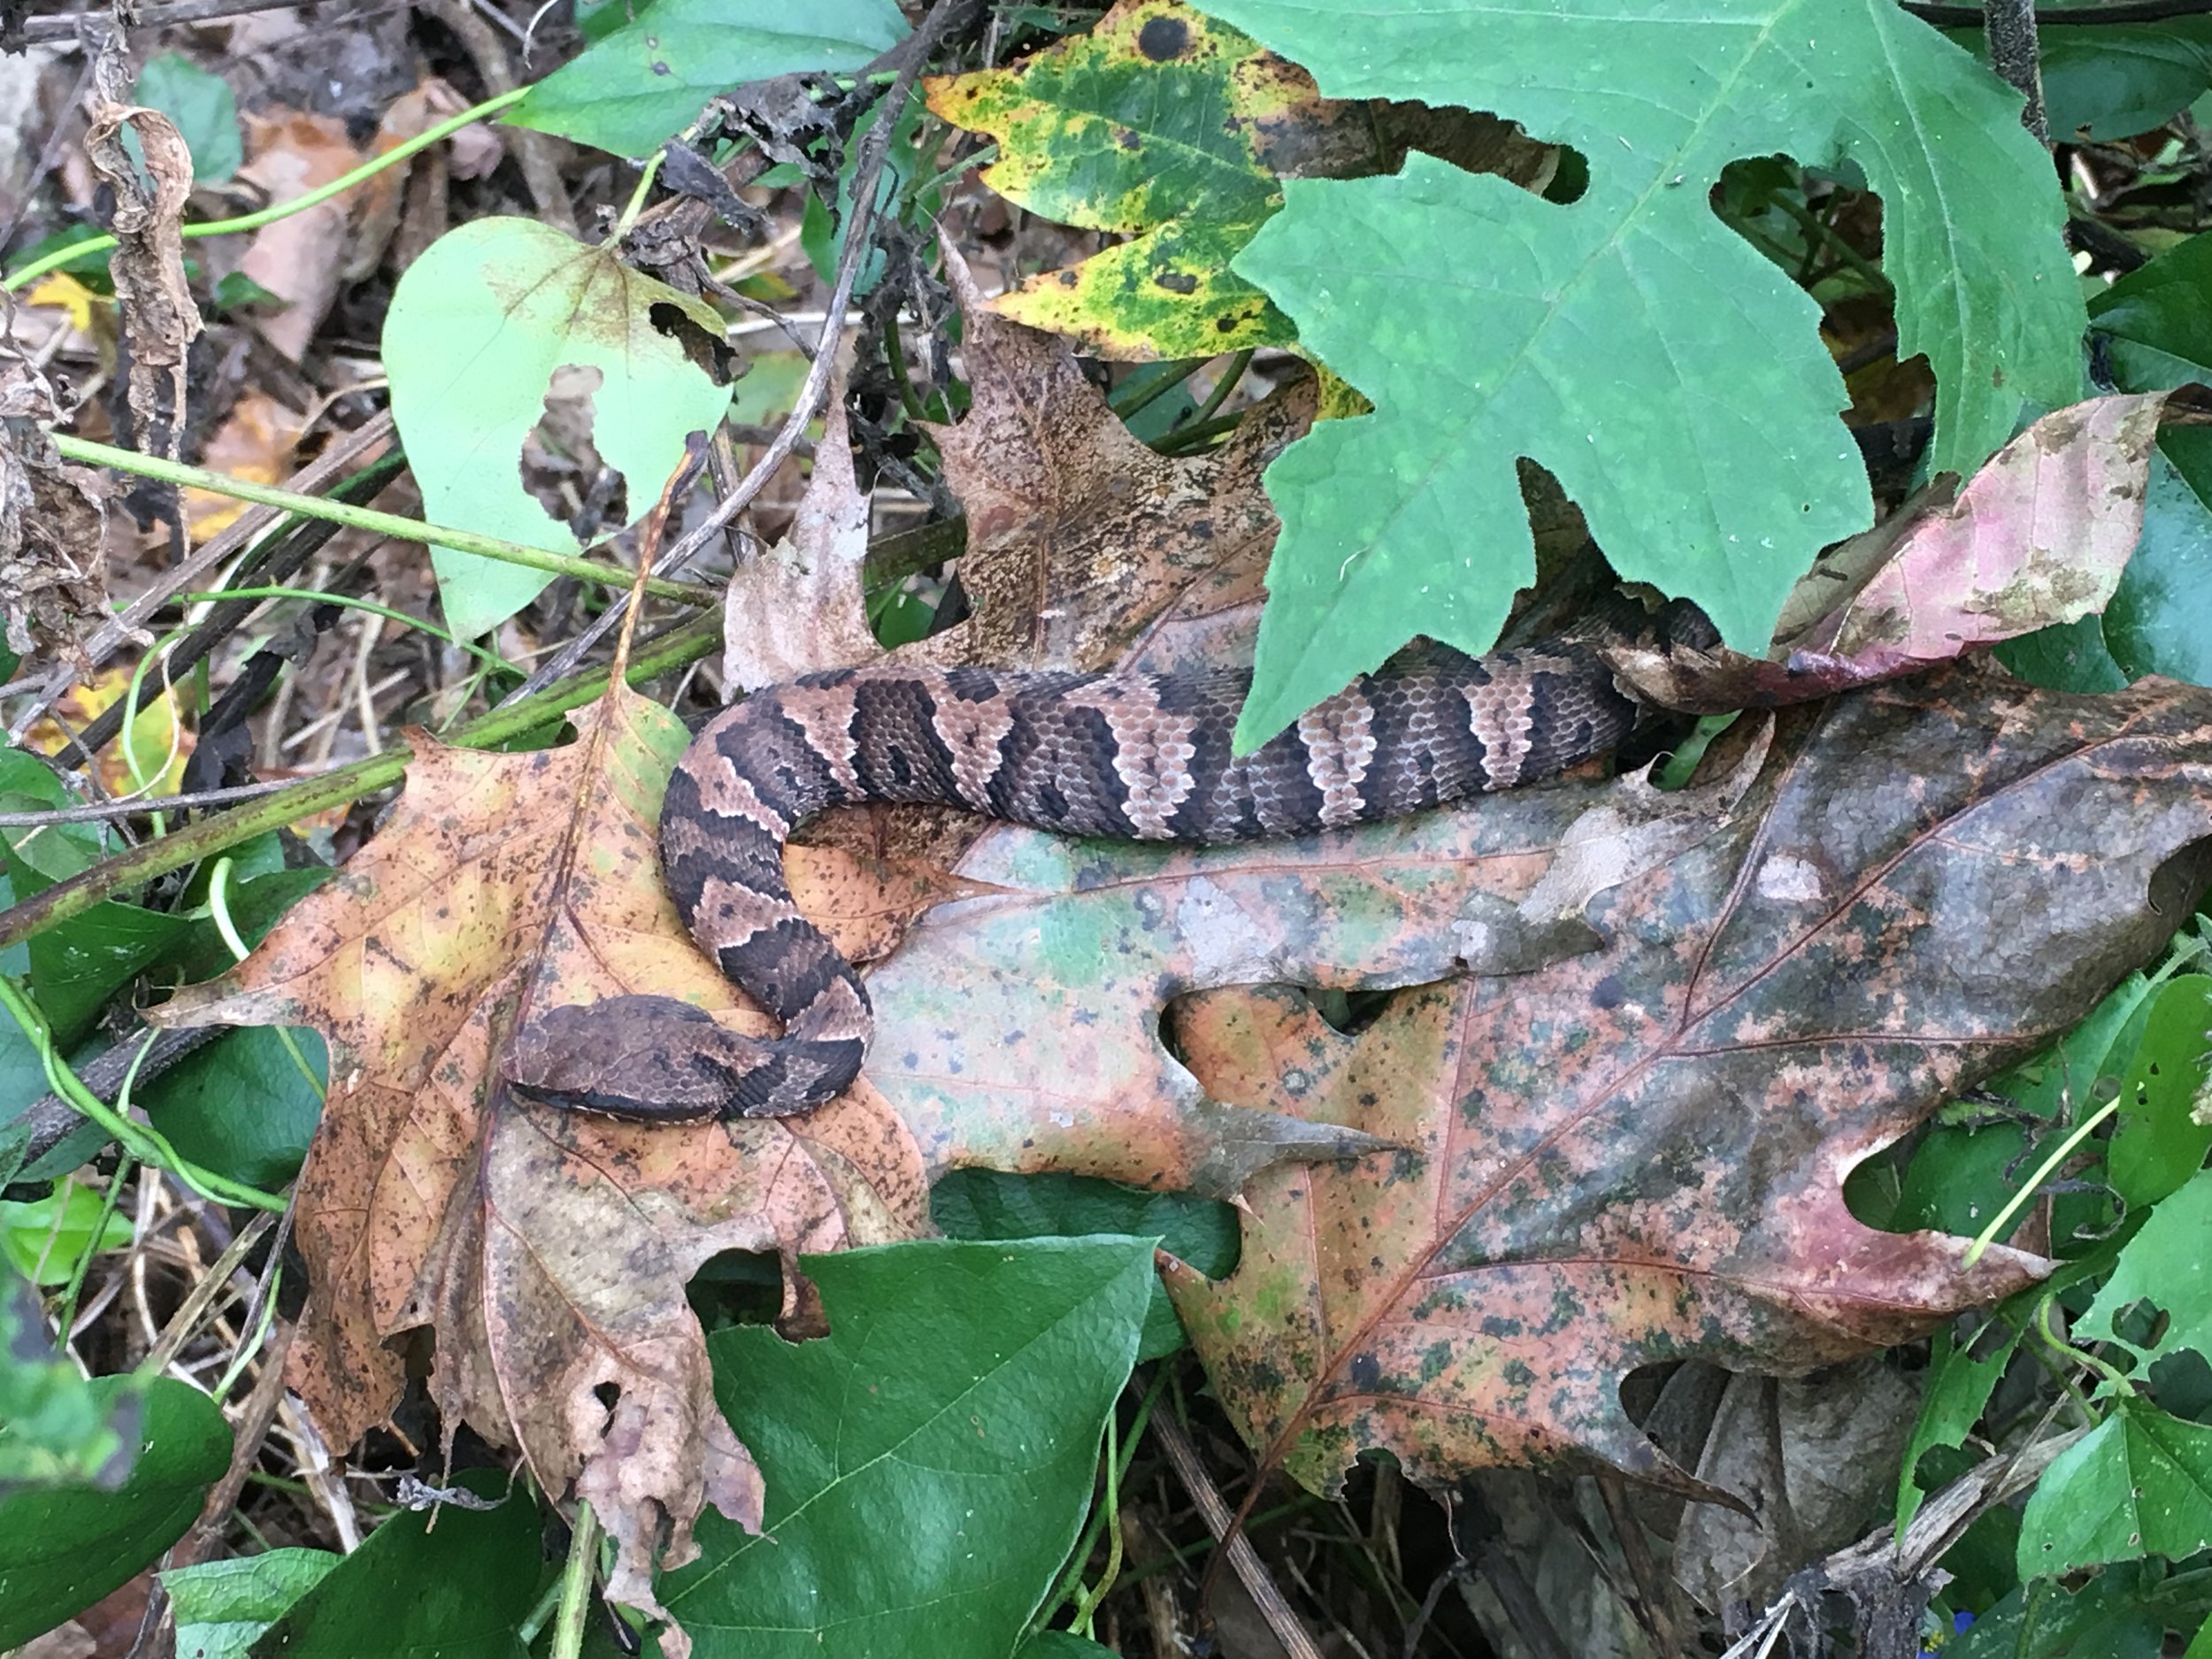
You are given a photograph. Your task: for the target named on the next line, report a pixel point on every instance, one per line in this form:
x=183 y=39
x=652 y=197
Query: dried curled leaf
x=53 y=527
x=2038 y=537
x=160 y=319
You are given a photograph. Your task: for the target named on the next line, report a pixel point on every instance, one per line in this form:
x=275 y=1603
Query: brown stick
x=71 y=24
x=1244 y=1561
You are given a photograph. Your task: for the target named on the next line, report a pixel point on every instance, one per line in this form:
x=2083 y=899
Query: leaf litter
x=1637 y=1154
x=547 y=1254
x=1622 y=1137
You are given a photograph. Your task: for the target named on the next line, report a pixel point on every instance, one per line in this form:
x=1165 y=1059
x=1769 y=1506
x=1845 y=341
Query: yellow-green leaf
x=1155 y=126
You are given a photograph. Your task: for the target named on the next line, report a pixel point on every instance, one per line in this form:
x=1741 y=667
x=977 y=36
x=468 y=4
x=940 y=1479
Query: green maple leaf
x=1669 y=375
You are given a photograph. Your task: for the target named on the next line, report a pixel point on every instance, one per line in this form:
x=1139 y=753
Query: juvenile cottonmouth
x=1131 y=757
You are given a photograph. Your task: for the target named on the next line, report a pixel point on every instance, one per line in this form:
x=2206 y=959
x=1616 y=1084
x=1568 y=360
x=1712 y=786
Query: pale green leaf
x=204 y=108
x=477 y=328
x=222 y=1606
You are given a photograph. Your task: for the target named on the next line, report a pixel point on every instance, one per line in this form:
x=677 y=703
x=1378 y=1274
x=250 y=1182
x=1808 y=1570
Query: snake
x=1130 y=757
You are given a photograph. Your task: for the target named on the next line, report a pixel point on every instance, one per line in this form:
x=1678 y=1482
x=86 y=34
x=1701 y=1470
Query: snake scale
x=1121 y=755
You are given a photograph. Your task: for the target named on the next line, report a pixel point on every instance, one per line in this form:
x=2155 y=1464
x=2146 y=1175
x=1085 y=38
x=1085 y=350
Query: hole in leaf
x=711 y=354
x=2142 y=1323
x=1989 y=1341
x=2183 y=1381
x=560 y=464
x=737 y=1287
x=1350 y=1012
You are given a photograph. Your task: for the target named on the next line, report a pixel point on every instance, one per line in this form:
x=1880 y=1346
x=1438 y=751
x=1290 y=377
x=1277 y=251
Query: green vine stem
x=148 y=1145
x=572 y=1619
x=341 y=786
x=1116 y=1469
x=2034 y=1183
x=270 y=214
x=2080 y=1356
x=377 y=523
x=646 y=175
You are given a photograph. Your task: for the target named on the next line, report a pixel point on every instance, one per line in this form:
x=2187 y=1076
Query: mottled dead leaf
x=2038 y=537
x=53 y=525
x=1045 y=996
x=1636 y=1155
x=548 y=1252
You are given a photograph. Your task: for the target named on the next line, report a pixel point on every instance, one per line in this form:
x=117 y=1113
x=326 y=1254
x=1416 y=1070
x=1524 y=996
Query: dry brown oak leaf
x=1636 y=1154
x=547 y=1254
x=1079 y=532
x=1080 y=536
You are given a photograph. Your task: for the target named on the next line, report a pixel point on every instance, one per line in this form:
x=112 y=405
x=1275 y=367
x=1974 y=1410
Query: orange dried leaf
x=255 y=444
x=549 y=1252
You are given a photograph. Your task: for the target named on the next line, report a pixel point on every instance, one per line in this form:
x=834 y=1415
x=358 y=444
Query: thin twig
x=875 y=145
x=27 y=191
x=392 y=525
x=339 y=786
x=363 y=698
x=184 y=1323
x=50 y=1120
x=533 y=152
x=1244 y=1561
x=1883 y=1559
x=71 y=24
x=251 y=1428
